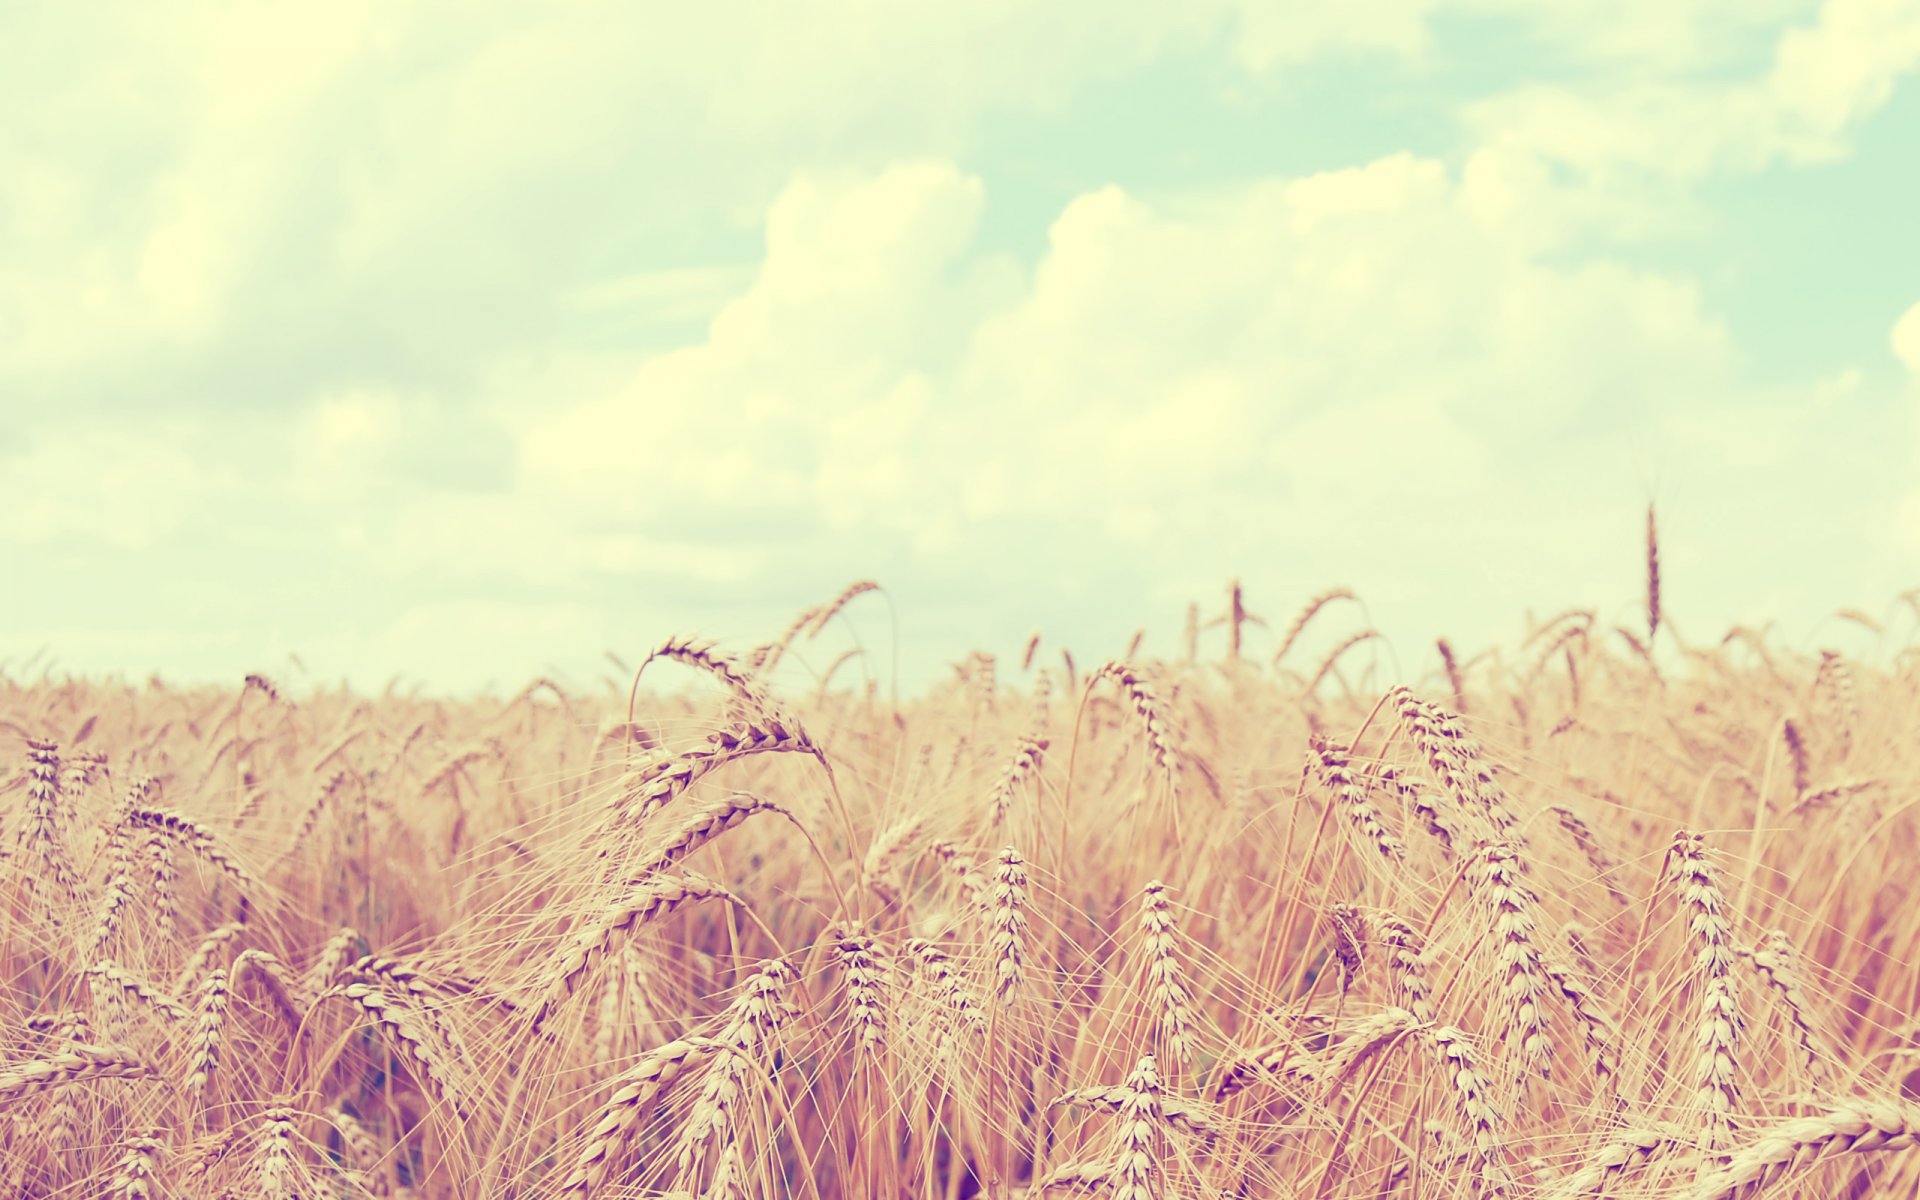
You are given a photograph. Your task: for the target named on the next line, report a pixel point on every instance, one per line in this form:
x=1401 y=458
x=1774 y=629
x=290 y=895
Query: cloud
x=1179 y=388
x=449 y=301
x=1824 y=79
x=118 y=487
x=1655 y=34
x=1905 y=339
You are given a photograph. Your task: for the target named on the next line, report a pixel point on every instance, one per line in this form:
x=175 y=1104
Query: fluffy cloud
x=1824 y=78
x=1905 y=339
x=1182 y=387
x=400 y=306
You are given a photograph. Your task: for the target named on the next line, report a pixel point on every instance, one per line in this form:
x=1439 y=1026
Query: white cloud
x=1905 y=339
x=126 y=488
x=1825 y=78
x=398 y=274
x=815 y=357
x=1181 y=386
x=1843 y=67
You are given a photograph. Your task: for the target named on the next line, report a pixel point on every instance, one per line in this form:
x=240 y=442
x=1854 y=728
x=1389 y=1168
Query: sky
x=463 y=342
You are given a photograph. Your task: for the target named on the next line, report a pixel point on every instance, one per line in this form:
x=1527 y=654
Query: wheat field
x=1599 y=912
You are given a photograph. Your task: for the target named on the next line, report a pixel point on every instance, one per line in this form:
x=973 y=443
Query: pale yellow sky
x=462 y=342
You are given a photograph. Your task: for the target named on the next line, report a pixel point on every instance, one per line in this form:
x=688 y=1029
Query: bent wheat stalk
x=1790 y=1145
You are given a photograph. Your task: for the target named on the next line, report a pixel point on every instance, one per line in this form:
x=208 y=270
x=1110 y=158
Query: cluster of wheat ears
x=1606 y=914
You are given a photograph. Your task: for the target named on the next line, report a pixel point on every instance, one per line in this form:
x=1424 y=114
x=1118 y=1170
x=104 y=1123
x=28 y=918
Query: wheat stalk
x=1597 y=857
x=1520 y=967
x=952 y=992
x=1778 y=963
x=204 y=1046
x=1166 y=980
x=139 y=1169
x=749 y=1027
x=1153 y=718
x=75 y=1064
x=1406 y=964
x=648 y=901
x=1007 y=915
x=1305 y=615
x=1026 y=761
x=634 y=1094
x=1718 y=1023
x=1183 y=1115
x=866 y=969
x=400 y=1024
x=120 y=982
x=1136 y=1168
x=1336 y=774
x=1799 y=1142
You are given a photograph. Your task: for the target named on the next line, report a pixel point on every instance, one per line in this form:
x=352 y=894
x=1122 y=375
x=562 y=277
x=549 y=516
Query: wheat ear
x=1026 y=761
x=76 y=1064
x=749 y=1027
x=400 y=1024
x=1166 y=980
x=114 y=979
x=1653 y=577
x=1803 y=1141
x=1147 y=706
x=648 y=901
x=138 y=1175
x=708 y=822
x=866 y=967
x=1406 y=964
x=1619 y=1156
x=1183 y=1115
x=1371 y=834
x=1519 y=964
x=204 y=1046
x=1305 y=615
x=1718 y=1023
x=1007 y=917
x=952 y=992
x=1597 y=857
x=634 y=1093
x=1455 y=1056
x=1136 y=1168
x=704 y=656
x=1778 y=963
x=273 y=1154
x=45 y=816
